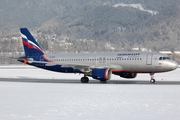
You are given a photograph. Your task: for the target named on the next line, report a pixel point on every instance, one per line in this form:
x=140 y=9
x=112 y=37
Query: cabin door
x=149 y=59
x=102 y=60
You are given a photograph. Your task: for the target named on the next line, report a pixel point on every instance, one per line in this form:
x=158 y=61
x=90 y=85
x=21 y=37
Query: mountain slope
x=122 y=23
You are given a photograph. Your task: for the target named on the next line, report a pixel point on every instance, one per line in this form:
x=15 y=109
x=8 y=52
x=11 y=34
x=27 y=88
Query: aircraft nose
x=174 y=65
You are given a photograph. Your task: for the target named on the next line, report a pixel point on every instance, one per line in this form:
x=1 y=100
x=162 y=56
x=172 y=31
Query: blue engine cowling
x=102 y=74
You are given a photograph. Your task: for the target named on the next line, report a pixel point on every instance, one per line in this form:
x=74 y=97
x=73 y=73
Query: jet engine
x=102 y=74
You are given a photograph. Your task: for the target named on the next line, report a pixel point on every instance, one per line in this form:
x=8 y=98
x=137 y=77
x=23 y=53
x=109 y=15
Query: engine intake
x=101 y=74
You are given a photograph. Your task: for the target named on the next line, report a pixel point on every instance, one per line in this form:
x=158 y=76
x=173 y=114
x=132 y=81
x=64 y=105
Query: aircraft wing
x=85 y=67
x=88 y=67
x=81 y=67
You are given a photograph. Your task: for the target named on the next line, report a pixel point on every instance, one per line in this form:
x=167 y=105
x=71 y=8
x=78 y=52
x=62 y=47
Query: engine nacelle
x=101 y=74
x=127 y=75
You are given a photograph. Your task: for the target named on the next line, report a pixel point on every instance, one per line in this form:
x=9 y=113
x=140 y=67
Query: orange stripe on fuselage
x=136 y=71
x=47 y=59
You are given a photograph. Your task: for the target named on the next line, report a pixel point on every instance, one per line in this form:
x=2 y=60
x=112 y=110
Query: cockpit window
x=167 y=58
x=160 y=58
x=164 y=58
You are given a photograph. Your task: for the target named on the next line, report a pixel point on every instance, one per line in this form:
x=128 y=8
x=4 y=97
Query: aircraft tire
x=152 y=80
x=84 y=80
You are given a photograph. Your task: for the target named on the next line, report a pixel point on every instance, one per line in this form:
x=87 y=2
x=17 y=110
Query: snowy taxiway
x=68 y=101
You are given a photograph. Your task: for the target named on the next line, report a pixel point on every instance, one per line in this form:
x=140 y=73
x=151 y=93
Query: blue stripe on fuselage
x=55 y=68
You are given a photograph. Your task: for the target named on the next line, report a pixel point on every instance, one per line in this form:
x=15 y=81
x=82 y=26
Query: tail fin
x=31 y=47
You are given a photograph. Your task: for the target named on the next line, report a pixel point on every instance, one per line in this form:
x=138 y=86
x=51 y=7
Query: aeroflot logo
x=129 y=54
x=29 y=43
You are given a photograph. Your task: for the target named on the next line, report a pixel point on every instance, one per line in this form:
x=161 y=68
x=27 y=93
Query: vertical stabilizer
x=31 y=47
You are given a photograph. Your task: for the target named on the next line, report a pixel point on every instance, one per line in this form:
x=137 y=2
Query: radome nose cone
x=174 y=65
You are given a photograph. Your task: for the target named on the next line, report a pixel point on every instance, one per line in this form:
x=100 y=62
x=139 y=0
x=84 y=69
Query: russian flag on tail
x=31 y=47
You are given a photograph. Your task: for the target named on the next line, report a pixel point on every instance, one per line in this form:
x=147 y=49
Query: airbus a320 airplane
x=99 y=66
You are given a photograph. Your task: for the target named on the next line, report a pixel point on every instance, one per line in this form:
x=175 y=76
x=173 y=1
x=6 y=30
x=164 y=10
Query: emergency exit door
x=149 y=59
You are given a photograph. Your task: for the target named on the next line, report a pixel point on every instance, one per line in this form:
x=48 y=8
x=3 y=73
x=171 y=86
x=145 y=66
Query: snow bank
x=137 y=6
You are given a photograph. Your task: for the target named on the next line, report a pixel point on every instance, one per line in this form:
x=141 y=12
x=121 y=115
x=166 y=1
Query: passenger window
x=164 y=58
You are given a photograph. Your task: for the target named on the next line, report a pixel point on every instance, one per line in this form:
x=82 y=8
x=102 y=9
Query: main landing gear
x=152 y=78
x=84 y=79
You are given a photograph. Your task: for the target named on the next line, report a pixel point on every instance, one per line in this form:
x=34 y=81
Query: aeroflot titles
x=128 y=55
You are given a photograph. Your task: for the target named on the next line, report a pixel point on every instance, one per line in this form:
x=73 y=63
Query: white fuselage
x=139 y=62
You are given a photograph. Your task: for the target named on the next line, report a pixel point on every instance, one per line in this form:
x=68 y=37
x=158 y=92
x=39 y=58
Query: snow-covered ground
x=64 y=101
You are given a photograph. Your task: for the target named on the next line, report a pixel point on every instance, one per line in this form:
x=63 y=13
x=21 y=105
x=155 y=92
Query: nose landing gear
x=152 y=78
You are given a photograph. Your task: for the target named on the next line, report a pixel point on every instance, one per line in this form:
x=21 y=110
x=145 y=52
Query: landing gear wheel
x=152 y=80
x=84 y=80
